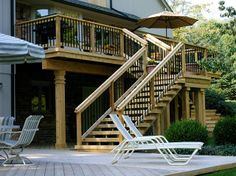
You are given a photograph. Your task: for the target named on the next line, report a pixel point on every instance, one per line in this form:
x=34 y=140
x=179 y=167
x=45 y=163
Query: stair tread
x=106 y=126
x=101 y=140
x=104 y=133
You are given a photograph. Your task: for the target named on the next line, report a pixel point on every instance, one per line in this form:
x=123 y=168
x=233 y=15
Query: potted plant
x=151 y=64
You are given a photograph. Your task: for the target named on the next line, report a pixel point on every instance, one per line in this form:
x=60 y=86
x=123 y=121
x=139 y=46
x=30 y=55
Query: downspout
x=111 y=6
x=12 y=13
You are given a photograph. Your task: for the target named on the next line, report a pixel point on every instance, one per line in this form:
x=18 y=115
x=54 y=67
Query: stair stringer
x=156 y=112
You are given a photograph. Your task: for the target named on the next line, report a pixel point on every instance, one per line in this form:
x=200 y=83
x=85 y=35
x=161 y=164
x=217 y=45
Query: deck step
x=95 y=148
x=106 y=126
x=101 y=140
x=104 y=133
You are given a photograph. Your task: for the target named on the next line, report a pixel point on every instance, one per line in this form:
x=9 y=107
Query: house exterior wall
x=104 y=3
x=5 y=70
x=142 y=9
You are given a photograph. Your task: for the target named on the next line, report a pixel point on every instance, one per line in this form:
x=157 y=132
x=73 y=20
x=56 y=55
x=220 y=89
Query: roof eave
x=97 y=10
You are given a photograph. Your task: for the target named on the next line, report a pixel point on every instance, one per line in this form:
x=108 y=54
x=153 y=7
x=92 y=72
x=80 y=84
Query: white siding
x=5 y=70
x=141 y=8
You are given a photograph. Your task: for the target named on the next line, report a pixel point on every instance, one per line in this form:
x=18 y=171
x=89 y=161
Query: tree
x=220 y=39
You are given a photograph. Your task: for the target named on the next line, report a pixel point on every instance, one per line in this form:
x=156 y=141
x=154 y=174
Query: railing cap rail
x=109 y=81
x=148 y=78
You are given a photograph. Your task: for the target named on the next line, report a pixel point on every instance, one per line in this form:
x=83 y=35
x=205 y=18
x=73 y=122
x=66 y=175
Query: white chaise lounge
x=130 y=144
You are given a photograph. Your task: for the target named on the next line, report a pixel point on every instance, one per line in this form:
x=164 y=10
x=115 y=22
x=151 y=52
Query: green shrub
x=225 y=131
x=187 y=130
x=216 y=100
x=223 y=150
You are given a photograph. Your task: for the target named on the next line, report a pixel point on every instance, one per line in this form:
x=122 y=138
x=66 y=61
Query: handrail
x=157 y=42
x=148 y=78
x=89 y=100
x=110 y=109
x=126 y=31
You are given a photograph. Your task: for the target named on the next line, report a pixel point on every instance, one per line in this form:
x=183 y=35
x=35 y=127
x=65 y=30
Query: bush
x=216 y=100
x=225 y=131
x=223 y=150
x=187 y=130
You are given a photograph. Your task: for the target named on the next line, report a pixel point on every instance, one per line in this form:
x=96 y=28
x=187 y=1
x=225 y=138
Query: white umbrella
x=14 y=50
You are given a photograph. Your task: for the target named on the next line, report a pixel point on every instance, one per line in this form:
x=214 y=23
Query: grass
x=228 y=172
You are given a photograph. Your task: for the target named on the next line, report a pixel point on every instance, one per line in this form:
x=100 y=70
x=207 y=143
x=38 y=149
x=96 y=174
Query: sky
x=214 y=12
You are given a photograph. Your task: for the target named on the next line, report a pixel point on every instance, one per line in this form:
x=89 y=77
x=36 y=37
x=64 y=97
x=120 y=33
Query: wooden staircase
x=212 y=117
x=151 y=117
x=146 y=98
x=105 y=136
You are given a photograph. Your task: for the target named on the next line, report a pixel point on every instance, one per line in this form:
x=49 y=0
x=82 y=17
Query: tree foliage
x=220 y=39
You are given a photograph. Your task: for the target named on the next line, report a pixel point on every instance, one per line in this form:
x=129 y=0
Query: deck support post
x=167 y=116
x=176 y=105
x=60 y=109
x=200 y=105
x=185 y=103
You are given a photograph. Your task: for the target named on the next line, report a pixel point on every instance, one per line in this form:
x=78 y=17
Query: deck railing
x=145 y=96
x=66 y=32
x=112 y=91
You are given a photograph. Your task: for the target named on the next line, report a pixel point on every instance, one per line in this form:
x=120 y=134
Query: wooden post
x=112 y=96
x=145 y=56
x=158 y=124
x=120 y=113
x=200 y=105
x=92 y=39
x=167 y=116
x=195 y=56
x=185 y=103
x=58 y=32
x=152 y=93
x=176 y=105
x=205 y=56
x=78 y=129
x=60 y=109
x=183 y=60
x=122 y=44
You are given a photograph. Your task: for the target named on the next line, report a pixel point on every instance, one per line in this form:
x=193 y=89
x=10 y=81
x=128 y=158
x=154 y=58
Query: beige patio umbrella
x=166 y=20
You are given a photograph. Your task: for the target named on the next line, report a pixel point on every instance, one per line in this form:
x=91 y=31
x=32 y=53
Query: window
x=41 y=13
x=40 y=98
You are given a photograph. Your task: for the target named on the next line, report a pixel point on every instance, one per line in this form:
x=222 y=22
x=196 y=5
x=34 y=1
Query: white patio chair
x=161 y=138
x=15 y=147
x=6 y=124
x=130 y=144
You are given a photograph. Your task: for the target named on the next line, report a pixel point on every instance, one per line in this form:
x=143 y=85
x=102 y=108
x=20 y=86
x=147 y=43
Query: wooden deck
x=69 y=169
x=51 y=162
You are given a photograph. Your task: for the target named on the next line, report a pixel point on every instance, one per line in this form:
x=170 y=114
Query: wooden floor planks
x=69 y=169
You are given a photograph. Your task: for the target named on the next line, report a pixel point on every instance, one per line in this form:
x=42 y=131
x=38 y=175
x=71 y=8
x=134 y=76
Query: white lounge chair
x=161 y=138
x=15 y=147
x=130 y=144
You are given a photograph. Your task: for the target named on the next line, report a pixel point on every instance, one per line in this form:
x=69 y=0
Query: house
x=96 y=64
